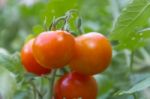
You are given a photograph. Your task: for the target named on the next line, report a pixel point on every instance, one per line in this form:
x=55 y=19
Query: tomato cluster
x=86 y=55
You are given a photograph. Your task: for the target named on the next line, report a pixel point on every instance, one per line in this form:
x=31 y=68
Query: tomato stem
x=131 y=61
x=68 y=16
x=55 y=22
x=44 y=24
x=36 y=91
x=79 y=25
x=63 y=18
x=65 y=26
x=134 y=96
x=52 y=80
x=34 y=94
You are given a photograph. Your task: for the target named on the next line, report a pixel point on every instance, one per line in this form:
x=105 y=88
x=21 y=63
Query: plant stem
x=44 y=24
x=63 y=18
x=42 y=85
x=134 y=96
x=65 y=26
x=79 y=25
x=55 y=22
x=52 y=84
x=36 y=91
x=131 y=61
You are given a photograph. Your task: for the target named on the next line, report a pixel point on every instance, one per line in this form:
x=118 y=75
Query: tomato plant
x=64 y=64
x=93 y=54
x=74 y=86
x=29 y=62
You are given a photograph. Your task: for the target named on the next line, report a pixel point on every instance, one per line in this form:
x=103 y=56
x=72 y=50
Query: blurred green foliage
x=20 y=21
x=132 y=20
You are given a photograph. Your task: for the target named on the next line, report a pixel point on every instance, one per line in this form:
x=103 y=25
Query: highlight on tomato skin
x=29 y=62
x=54 y=49
x=93 y=53
x=74 y=85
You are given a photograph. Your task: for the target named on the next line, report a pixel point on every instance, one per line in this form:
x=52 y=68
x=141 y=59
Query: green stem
x=36 y=91
x=134 y=96
x=63 y=18
x=79 y=25
x=65 y=26
x=42 y=85
x=131 y=61
x=44 y=24
x=52 y=80
x=68 y=16
x=55 y=22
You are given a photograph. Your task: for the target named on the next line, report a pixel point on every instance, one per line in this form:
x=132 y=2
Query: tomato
x=75 y=86
x=54 y=49
x=29 y=62
x=93 y=54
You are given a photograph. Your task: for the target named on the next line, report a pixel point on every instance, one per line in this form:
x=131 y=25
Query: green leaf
x=132 y=18
x=7 y=84
x=138 y=87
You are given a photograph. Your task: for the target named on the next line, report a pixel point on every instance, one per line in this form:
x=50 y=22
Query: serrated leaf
x=7 y=84
x=137 y=87
x=134 y=16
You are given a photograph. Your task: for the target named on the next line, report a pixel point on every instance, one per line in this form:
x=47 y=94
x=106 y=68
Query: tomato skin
x=54 y=49
x=93 y=54
x=29 y=62
x=76 y=86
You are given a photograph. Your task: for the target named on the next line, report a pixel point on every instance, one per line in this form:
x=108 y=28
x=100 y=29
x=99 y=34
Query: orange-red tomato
x=75 y=86
x=54 y=49
x=93 y=54
x=29 y=61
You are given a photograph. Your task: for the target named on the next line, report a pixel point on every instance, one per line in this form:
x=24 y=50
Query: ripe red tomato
x=93 y=54
x=29 y=61
x=76 y=86
x=54 y=49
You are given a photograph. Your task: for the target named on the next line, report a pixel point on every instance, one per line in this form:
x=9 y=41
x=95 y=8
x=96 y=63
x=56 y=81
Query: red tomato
x=29 y=61
x=76 y=86
x=54 y=49
x=93 y=54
